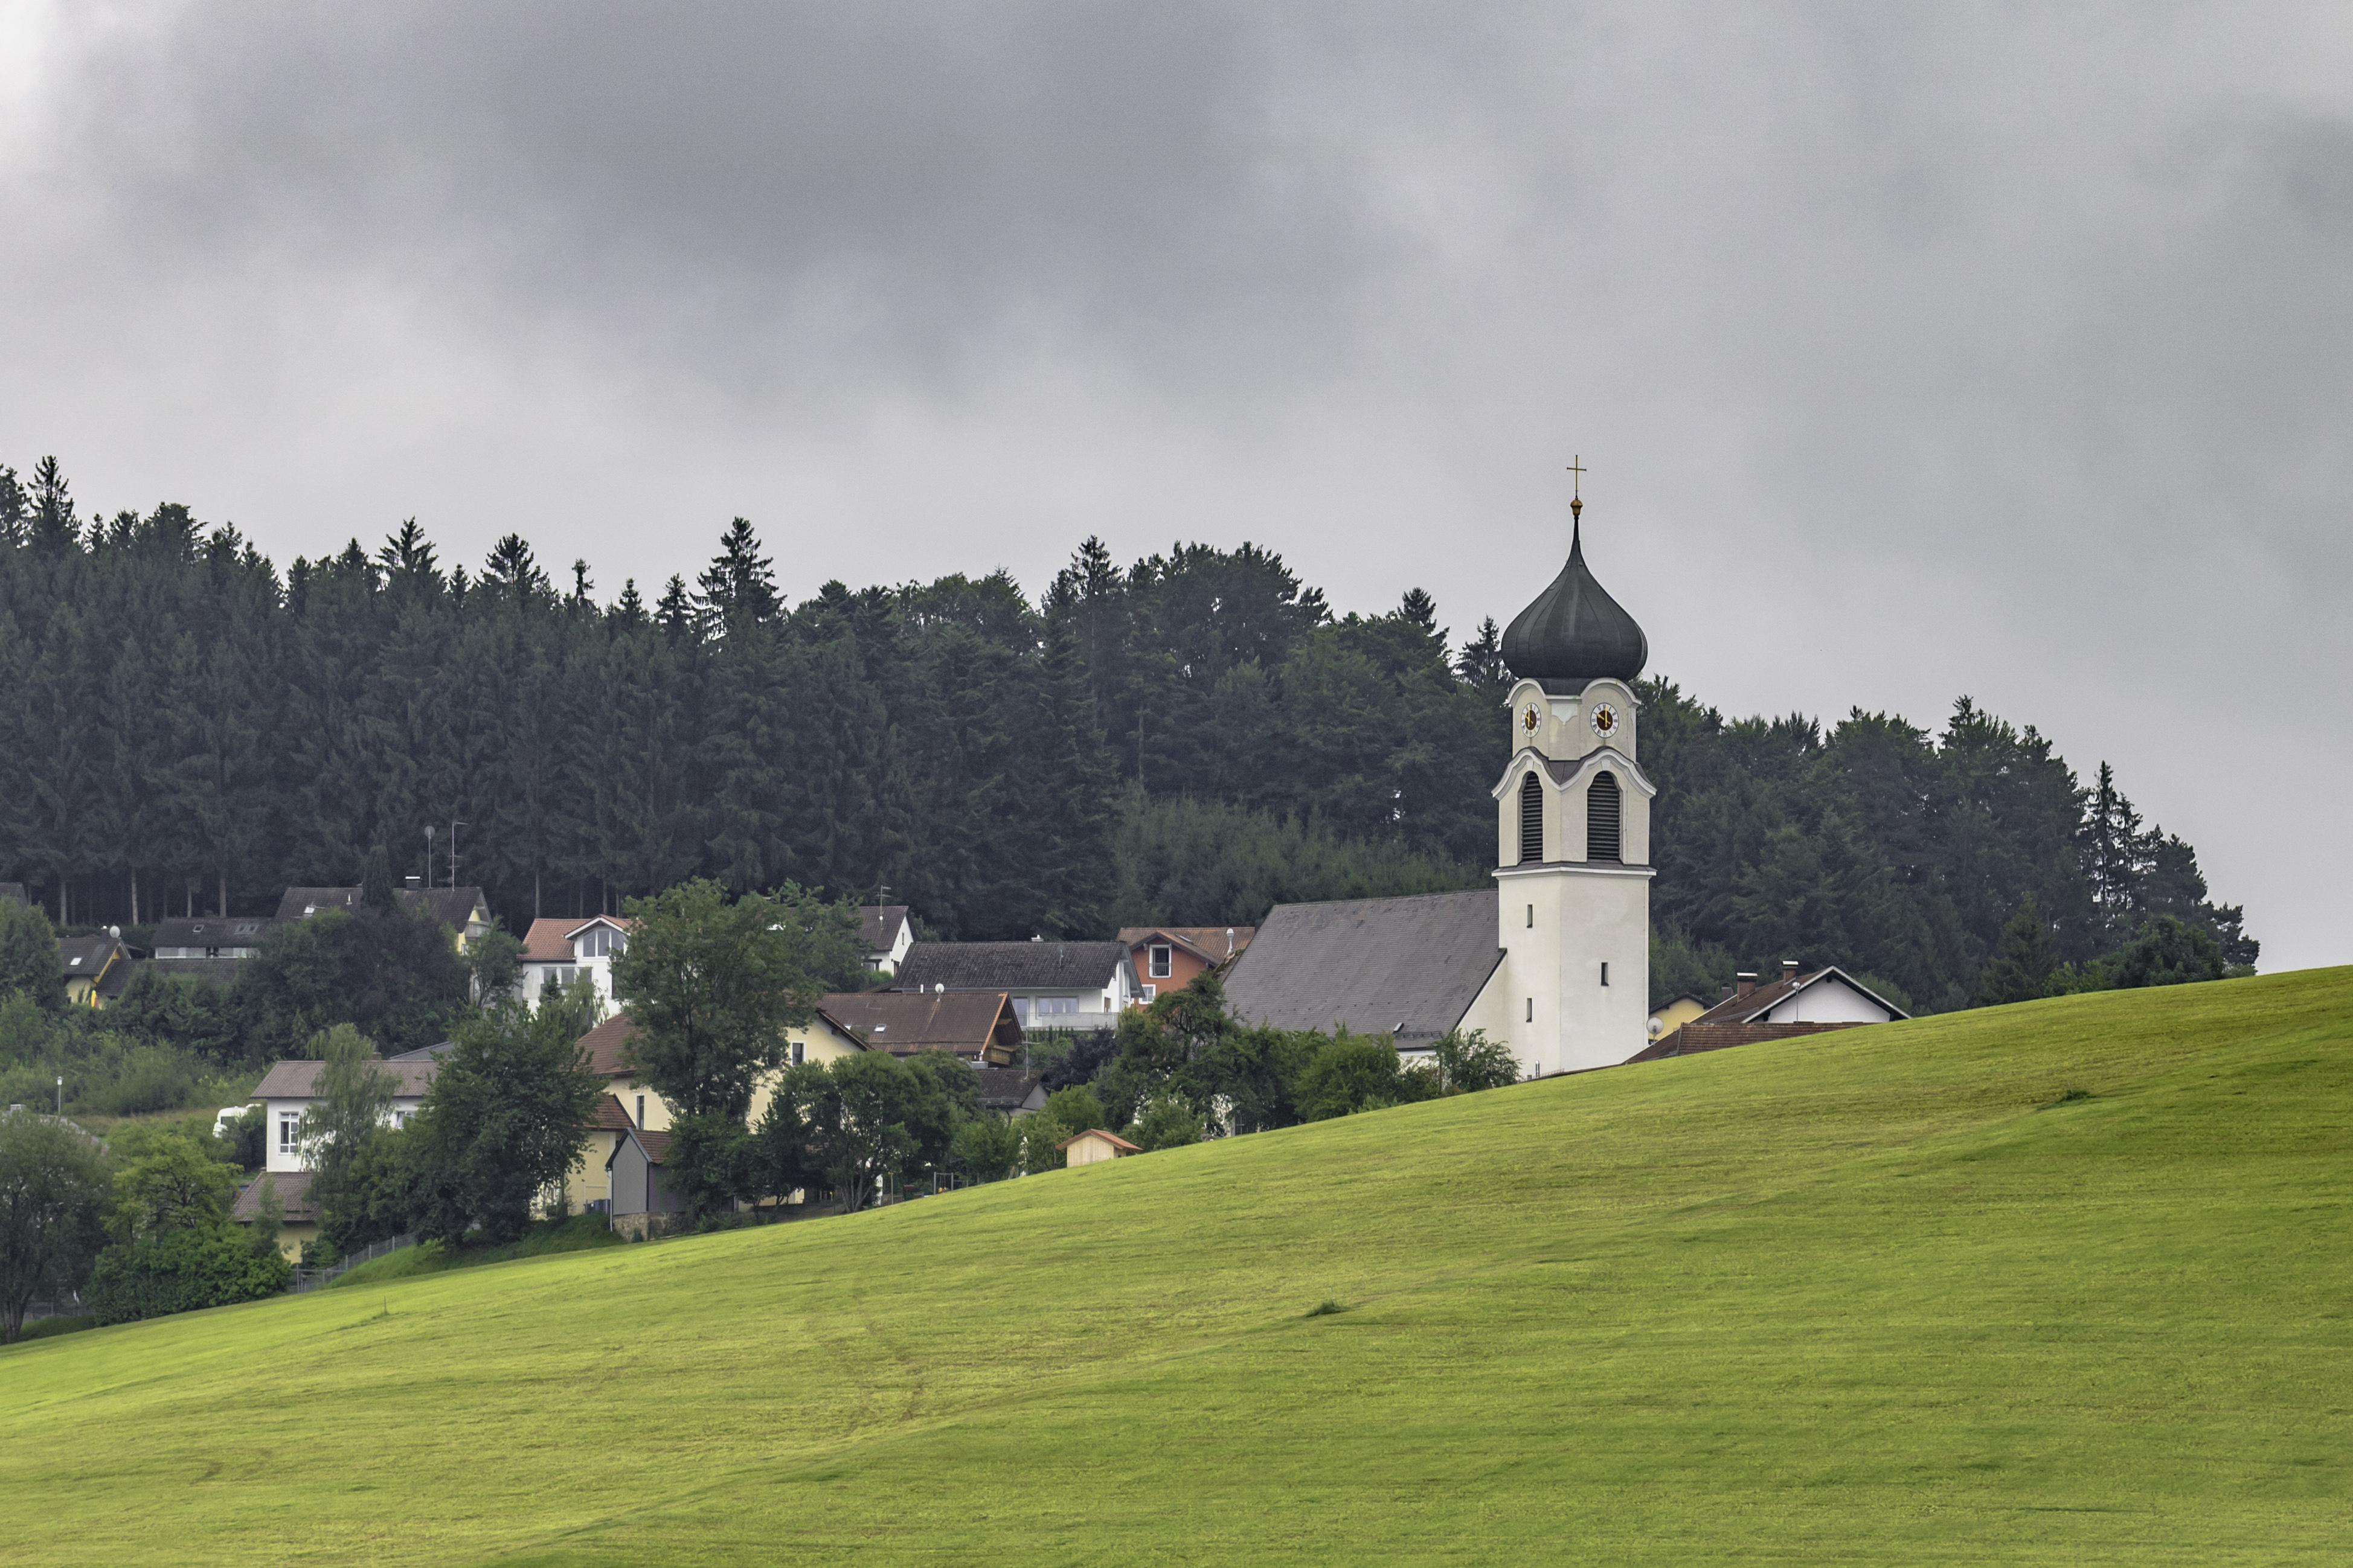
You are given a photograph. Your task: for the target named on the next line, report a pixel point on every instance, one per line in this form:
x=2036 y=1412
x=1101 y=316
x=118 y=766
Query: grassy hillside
x=1853 y=1300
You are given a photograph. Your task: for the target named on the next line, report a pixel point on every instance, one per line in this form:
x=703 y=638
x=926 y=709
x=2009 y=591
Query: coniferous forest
x=186 y=727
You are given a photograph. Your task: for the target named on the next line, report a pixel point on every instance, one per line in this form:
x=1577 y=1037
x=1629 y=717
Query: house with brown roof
x=298 y=1220
x=554 y=951
x=1052 y=984
x=1826 y=1000
x=1166 y=958
x=590 y=1183
x=978 y=1025
x=1095 y=1146
x=286 y=1091
x=291 y=1087
x=605 y=1049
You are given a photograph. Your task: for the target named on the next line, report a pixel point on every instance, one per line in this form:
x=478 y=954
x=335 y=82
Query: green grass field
x=1853 y=1300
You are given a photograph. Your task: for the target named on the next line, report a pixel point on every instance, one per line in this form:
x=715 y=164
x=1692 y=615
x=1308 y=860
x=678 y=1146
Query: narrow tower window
x=1530 y=820
x=1605 y=971
x=1532 y=917
x=1601 y=818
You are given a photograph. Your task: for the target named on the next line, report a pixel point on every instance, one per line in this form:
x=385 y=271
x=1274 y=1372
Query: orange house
x=1167 y=957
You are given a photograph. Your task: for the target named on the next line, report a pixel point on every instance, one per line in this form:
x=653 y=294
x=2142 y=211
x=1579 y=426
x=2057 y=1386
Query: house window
x=1150 y=992
x=1601 y=818
x=1048 y=1005
x=641 y=1110
x=601 y=941
x=1163 y=959
x=1530 y=821
x=796 y=1053
x=286 y=1124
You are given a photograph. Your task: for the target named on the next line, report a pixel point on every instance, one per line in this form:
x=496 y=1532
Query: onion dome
x=1575 y=632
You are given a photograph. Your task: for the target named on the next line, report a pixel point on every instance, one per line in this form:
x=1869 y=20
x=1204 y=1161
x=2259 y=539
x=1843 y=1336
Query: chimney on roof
x=1789 y=969
x=1727 y=994
x=415 y=883
x=1743 y=984
x=1230 y=942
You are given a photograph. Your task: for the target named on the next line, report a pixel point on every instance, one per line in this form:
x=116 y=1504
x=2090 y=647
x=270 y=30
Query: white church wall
x=1559 y=1013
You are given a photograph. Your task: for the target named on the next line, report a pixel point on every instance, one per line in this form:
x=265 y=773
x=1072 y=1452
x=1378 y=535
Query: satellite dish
x=1657 y=1026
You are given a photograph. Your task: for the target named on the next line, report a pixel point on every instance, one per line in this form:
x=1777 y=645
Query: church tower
x=1573 y=831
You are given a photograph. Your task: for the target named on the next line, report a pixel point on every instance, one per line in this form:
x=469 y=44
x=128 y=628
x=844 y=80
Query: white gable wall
x=1829 y=1000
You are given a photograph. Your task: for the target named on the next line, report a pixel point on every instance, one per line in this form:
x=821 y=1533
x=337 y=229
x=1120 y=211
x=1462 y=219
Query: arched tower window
x=1530 y=820
x=1601 y=818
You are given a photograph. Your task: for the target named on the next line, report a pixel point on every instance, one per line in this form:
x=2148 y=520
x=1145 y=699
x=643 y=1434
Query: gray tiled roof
x=452 y=907
x=1010 y=965
x=211 y=931
x=1411 y=966
x=1005 y=1089
x=880 y=924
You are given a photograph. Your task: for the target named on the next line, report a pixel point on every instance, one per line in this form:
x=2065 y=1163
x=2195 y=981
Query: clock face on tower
x=1528 y=721
x=1604 y=721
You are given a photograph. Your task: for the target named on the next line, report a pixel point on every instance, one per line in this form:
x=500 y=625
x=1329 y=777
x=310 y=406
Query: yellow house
x=97 y=968
x=1093 y=1147
x=299 y=1218
x=1666 y=1020
x=631 y=1102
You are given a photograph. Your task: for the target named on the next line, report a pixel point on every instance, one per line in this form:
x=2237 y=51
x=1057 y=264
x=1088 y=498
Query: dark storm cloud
x=731 y=184
x=2005 y=350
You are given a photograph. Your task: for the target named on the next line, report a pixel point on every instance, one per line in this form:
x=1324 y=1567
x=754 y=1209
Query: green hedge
x=182 y=1272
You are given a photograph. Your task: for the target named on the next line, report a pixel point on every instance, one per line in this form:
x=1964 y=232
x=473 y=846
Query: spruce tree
x=2022 y=963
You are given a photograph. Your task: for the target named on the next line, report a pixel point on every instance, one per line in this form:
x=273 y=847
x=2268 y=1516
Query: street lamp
x=61 y=1096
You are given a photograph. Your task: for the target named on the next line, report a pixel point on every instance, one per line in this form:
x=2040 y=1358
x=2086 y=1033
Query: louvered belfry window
x=1601 y=818
x=1530 y=820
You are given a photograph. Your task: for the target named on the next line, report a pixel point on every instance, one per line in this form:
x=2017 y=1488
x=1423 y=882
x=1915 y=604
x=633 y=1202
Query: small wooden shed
x=1095 y=1144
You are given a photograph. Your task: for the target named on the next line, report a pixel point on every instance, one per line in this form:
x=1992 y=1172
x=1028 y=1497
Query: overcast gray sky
x=1915 y=351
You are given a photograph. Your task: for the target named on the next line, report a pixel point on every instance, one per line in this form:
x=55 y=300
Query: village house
x=556 y=951
x=629 y=1157
x=1166 y=958
x=888 y=934
x=1827 y=999
x=231 y=937
x=1012 y=1091
x=464 y=912
x=286 y=1092
x=1076 y=985
x=97 y=968
x=978 y=1025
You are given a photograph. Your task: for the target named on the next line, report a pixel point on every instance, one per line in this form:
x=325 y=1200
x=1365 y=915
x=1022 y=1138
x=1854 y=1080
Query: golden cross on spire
x=1576 y=487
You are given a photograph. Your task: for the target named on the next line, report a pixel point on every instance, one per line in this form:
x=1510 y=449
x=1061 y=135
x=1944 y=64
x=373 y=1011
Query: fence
x=311 y=1278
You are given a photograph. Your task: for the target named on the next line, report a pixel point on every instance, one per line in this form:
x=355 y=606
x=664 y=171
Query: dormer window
x=598 y=941
x=1162 y=959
